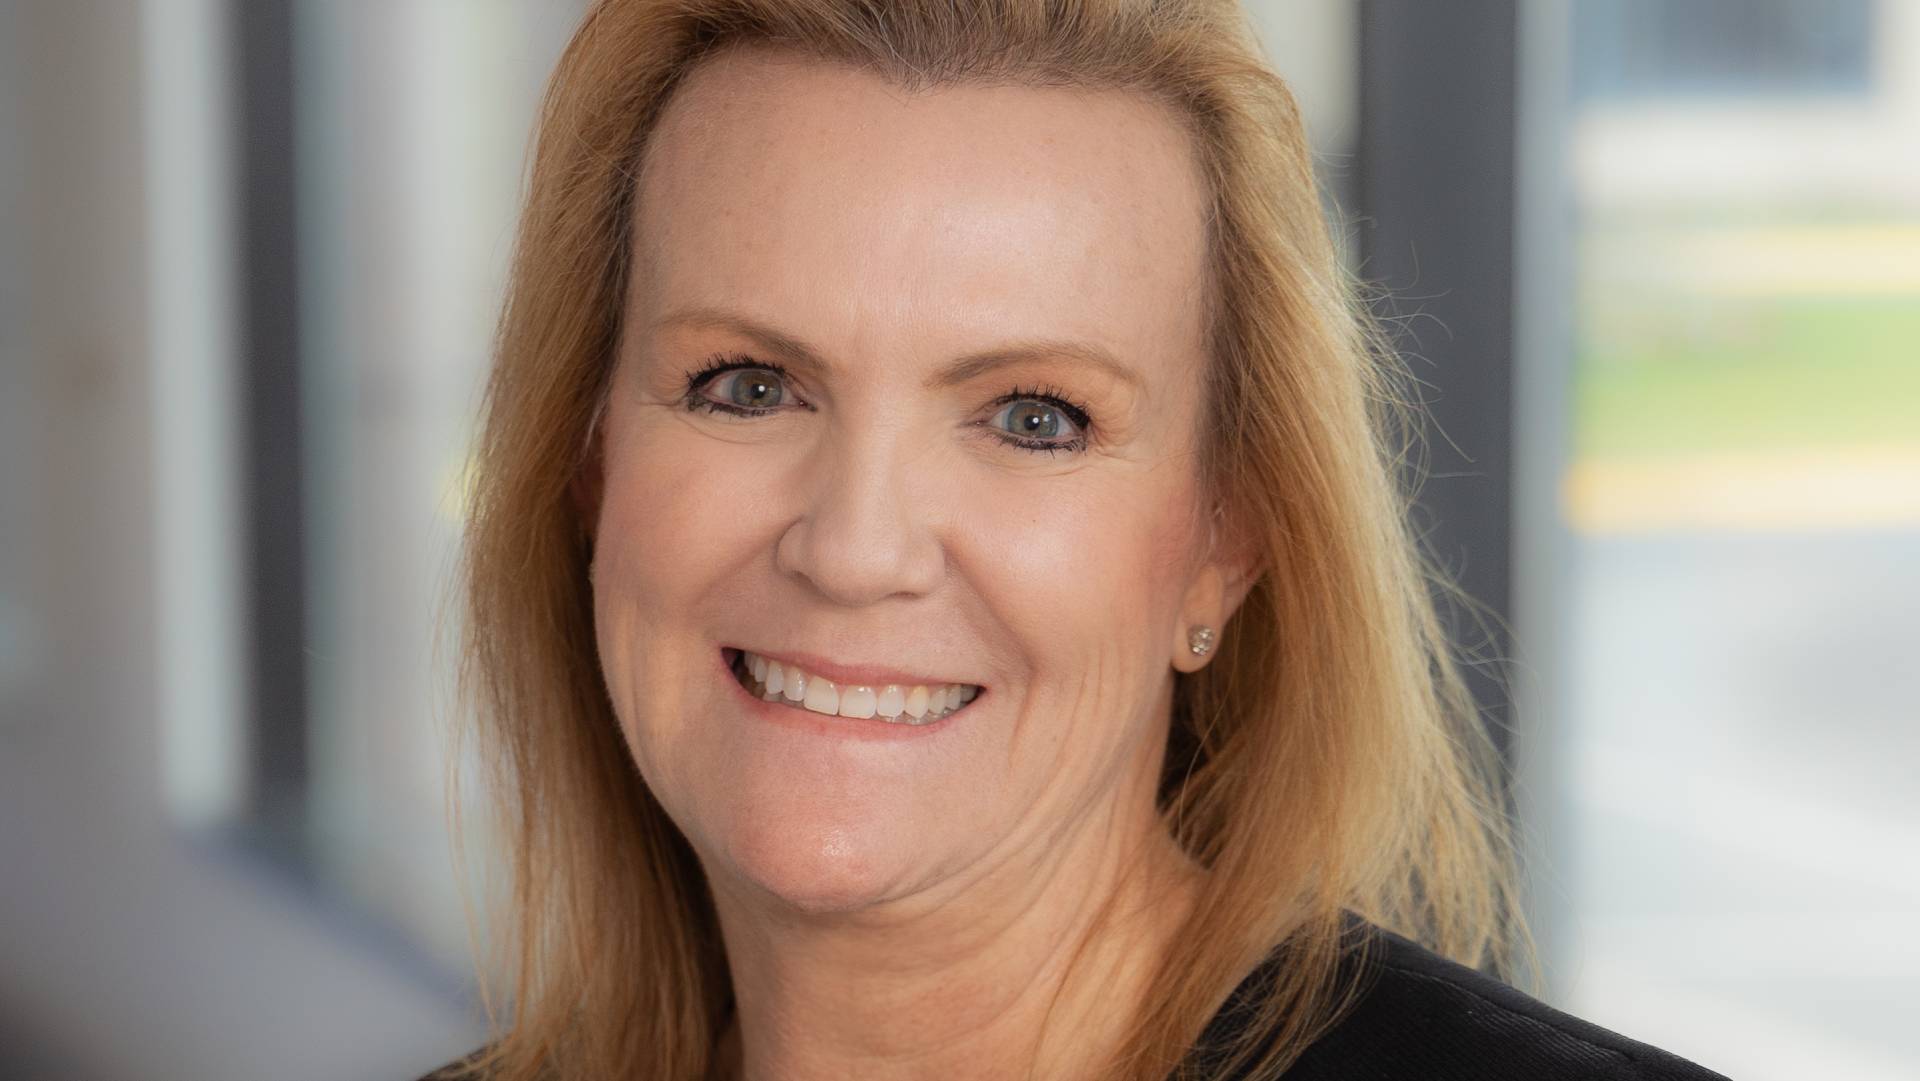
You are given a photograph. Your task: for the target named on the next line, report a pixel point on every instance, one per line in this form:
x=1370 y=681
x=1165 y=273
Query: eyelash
x=1053 y=396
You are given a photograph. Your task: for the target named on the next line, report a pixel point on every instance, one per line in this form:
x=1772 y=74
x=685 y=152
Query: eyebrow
x=963 y=369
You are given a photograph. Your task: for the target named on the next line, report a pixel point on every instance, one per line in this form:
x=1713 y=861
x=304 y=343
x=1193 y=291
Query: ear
x=1219 y=586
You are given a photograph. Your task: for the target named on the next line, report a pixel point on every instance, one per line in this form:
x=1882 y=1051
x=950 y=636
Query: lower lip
x=833 y=726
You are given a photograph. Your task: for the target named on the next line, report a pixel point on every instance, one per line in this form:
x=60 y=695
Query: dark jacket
x=1421 y=1017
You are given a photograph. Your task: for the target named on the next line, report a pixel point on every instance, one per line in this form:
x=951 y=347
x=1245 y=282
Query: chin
x=817 y=867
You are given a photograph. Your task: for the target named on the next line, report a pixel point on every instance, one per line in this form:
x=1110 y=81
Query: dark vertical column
x=273 y=437
x=1435 y=206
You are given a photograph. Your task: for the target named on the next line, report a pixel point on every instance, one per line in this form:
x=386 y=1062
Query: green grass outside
x=1680 y=375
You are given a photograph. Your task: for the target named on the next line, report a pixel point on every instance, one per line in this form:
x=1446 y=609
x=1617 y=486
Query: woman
x=937 y=597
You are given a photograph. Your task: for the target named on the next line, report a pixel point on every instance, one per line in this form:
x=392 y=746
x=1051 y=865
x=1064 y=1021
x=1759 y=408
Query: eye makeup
x=1053 y=398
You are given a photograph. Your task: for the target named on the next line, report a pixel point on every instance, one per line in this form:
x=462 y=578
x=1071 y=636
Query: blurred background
x=1656 y=261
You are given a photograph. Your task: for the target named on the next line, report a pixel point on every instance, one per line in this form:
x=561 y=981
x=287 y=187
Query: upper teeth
x=919 y=703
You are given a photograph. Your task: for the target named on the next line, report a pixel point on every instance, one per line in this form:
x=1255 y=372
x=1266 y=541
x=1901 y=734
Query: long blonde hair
x=1329 y=760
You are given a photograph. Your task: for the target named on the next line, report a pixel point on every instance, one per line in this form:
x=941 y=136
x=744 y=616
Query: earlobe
x=1195 y=647
x=1215 y=595
x=1201 y=619
x=1200 y=641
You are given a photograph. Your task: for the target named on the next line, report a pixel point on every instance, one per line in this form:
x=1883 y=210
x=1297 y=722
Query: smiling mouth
x=788 y=685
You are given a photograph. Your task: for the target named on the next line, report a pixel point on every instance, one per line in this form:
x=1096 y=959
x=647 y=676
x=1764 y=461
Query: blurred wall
x=125 y=952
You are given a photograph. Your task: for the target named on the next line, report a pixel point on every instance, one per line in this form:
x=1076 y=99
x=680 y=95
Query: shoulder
x=1421 y=1015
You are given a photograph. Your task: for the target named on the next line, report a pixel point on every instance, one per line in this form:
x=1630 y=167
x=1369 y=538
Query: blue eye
x=753 y=390
x=1035 y=419
x=1041 y=420
x=748 y=388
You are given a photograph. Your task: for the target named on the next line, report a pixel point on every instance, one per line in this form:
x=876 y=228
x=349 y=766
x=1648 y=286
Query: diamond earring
x=1200 y=640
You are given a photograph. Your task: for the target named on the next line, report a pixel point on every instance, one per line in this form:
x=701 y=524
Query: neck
x=1035 y=973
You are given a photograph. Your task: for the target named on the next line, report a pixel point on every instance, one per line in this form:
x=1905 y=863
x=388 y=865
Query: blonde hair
x=1329 y=760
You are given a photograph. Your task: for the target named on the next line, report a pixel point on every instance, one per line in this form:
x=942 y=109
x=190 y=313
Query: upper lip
x=859 y=675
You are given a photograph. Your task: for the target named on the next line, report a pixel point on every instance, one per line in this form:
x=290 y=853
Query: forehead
x=834 y=204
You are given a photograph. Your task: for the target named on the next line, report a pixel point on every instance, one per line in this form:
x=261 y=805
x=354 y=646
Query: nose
x=868 y=527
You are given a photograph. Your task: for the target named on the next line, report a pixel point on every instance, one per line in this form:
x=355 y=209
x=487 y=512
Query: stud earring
x=1200 y=640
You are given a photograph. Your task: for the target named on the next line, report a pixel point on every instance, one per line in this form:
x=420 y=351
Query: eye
x=751 y=389
x=1041 y=420
x=741 y=386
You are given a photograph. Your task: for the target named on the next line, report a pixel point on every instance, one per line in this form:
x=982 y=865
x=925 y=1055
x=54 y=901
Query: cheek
x=1103 y=562
x=1088 y=585
x=669 y=536
x=669 y=499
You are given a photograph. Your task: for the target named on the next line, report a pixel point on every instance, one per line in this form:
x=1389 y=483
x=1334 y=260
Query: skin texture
x=908 y=907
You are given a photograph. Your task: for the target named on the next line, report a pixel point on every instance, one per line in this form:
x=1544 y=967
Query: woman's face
x=949 y=440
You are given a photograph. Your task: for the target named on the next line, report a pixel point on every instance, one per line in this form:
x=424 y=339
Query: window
x=1745 y=502
x=382 y=153
x=1667 y=50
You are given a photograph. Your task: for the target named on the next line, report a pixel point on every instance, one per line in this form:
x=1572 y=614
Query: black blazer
x=1422 y=1017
